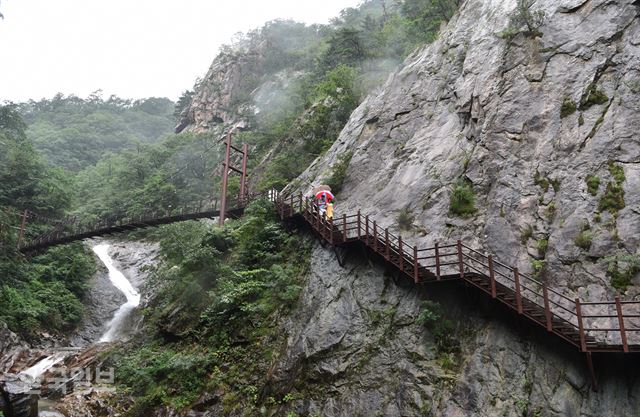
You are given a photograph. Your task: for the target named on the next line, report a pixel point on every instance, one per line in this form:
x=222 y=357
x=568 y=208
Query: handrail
x=528 y=291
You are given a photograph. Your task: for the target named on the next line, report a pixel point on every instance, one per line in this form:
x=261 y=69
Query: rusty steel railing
x=604 y=326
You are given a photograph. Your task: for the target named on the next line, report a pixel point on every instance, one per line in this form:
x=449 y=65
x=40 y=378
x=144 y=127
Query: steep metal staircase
x=603 y=327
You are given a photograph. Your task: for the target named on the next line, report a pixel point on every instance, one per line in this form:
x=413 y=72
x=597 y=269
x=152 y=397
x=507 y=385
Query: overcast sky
x=132 y=48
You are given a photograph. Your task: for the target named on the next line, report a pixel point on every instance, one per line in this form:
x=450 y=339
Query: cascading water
x=44 y=365
x=115 y=327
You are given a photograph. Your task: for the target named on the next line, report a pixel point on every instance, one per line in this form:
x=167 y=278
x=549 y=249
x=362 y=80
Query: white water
x=114 y=327
x=44 y=365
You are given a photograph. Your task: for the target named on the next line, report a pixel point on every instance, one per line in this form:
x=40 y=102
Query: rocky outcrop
x=523 y=123
x=17 y=398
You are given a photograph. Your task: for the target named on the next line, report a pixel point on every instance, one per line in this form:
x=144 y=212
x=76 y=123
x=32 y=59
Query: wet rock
x=17 y=397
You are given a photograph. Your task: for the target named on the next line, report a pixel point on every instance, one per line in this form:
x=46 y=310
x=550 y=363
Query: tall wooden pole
x=225 y=180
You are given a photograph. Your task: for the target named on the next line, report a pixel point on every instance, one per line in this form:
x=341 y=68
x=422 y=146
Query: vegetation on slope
x=44 y=293
x=223 y=293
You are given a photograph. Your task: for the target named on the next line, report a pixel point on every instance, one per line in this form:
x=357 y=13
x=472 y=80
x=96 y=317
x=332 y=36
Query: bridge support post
x=592 y=372
x=23 y=225
x=227 y=168
x=225 y=180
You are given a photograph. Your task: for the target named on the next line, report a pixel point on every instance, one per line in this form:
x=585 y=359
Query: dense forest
x=75 y=133
x=93 y=157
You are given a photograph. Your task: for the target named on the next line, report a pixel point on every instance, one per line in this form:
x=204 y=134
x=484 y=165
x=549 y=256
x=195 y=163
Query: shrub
x=526 y=234
x=592 y=96
x=339 y=173
x=524 y=19
x=617 y=171
x=542 y=246
x=431 y=317
x=613 y=198
x=568 y=107
x=541 y=181
x=593 y=184
x=462 y=200
x=537 y=265
x=621 y=269
x=583 y=240
x=405 y=219
x=551 y=211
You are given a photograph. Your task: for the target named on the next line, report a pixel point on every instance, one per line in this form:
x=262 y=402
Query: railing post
x=492 y=277
x=366 y=228
x=281 y=204
x=344 y=227
x=623 y=333
x=460 y=261
x=401 y=253
x=359 y=234
x=386 y=244
x=375 y=237
x=547 y=310
x=291 y=205
x=331 y=230
x=583 y=341
x=516 y=277
x=23 y=225
x=416 y=277
x=437 y=248
x=300 y=199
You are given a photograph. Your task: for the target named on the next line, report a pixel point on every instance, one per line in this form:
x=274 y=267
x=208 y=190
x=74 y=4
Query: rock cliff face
x=527 y=124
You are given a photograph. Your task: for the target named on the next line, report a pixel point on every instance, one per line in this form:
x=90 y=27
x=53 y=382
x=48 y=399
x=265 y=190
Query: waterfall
x=116 y=325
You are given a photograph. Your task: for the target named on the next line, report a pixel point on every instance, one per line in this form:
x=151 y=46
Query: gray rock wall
x=478 y=108
x=475 y=107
